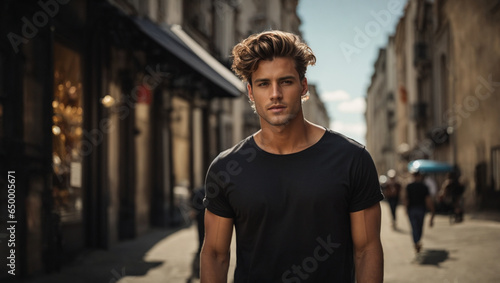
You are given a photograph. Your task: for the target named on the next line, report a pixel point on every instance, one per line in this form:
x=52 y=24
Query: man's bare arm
x=216 y=248
x=368 y=254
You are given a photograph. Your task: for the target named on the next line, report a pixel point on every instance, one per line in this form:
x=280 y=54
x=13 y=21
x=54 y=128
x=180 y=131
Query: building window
x=198 y=15
x=439 y=13
x=67 y=134
x=495 y=167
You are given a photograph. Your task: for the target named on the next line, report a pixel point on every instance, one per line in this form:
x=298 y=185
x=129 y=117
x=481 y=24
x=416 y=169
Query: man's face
x=276 y=90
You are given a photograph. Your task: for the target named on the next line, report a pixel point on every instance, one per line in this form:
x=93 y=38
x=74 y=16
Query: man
x=392 y=189
x=199 y=215
x=451 y=194
x=431 y=184
x=304 y=200
x=417 y=200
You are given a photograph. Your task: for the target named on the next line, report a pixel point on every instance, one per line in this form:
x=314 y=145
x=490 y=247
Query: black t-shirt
x=416 y=193
x=291 y=212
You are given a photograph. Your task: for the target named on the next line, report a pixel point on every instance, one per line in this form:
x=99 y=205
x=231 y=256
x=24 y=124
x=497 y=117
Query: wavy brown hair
x=266 y=46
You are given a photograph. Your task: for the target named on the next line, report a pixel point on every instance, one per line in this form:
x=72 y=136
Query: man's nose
x=276 y=92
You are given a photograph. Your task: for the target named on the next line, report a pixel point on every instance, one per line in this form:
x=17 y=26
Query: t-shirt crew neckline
x=316 y=144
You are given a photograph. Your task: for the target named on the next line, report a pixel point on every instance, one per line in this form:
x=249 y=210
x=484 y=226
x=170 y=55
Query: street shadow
x=432 y=257
x=112 y=265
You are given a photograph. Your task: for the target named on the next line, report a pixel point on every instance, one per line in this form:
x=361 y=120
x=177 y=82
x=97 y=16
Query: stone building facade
x=448 y=92
x=380 y=113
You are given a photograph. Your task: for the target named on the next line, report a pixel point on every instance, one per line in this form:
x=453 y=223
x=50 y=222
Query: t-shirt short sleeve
x=215 y=191
x=365 y=187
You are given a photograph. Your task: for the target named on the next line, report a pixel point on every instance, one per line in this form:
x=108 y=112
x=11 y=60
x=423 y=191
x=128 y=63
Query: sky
x=345 y=36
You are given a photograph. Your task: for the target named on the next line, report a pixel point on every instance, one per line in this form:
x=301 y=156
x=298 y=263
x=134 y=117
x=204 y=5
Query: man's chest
x=270 y=189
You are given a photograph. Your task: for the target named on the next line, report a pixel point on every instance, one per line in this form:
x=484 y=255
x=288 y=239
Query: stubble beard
x=278 y=120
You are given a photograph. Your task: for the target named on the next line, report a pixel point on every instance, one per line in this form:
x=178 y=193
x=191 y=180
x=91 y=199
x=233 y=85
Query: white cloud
x=355 y=128
x=337 y=95
x=356 y=105
x=356 y=131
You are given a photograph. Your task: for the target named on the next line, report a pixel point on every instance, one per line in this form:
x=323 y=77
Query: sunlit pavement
x=176 y=254
x=458 y=253
x=452 y=253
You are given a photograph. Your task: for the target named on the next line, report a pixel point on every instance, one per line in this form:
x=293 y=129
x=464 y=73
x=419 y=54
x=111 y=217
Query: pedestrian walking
x=451 y=195
x=303 y=199
x=392 y=190
x=431 y=184
x=199 y=215
x=417 y=200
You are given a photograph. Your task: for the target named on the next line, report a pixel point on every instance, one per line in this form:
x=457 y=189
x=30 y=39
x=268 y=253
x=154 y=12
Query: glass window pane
x=67 y=133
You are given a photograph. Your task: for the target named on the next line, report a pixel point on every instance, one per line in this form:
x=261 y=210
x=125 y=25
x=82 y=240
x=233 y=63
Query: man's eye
x=263 y=84
x=287 y=82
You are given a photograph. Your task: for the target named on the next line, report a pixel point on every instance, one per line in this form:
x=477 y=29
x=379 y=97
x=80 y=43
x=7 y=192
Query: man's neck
x=296 y=136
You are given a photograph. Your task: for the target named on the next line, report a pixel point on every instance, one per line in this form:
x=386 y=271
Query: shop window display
x=67 y=134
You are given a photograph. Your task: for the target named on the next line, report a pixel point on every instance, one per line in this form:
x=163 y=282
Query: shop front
x=68 y=145
x=91 y=111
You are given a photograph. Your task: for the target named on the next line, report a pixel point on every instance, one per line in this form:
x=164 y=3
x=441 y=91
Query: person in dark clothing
x=416 y=201
x=392 y=189
x=199 y=209
x=303 y=199
x=199 y=215
x=451 y=195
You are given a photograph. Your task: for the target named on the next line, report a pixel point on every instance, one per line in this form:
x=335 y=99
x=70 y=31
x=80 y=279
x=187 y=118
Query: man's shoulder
x=243 y=150
x=341 y=141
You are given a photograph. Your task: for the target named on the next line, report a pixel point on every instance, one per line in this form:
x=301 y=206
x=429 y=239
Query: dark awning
x=188 y=51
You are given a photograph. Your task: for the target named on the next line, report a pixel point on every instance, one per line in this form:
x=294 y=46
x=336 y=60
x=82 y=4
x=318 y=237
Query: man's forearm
x=370 y=265
x=213 y=268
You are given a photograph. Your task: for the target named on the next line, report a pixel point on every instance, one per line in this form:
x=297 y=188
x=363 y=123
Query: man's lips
x=276 y=107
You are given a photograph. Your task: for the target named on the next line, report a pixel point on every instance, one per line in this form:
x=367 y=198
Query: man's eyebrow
x=280 y=79
x=261 y=80
x=287 y=78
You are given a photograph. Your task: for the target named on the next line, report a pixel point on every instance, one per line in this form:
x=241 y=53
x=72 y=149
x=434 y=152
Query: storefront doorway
x=68 y=145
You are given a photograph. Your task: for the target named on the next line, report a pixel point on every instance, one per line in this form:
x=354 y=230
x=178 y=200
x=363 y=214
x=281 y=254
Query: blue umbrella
x=429 y=166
